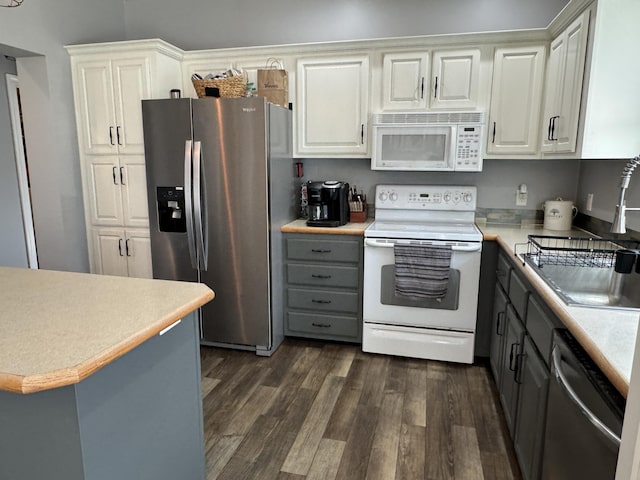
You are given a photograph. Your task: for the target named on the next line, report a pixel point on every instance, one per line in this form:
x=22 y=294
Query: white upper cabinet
x=456 y=76
x=403 y=81
x=332 y=106
x=565 y=72
x=109 y=82
x=610 y=112
x=516 y=96
x=449 y=82
x=110 y=93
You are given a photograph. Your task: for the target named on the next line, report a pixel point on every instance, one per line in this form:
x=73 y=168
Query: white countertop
x=608 y=335
x=57 y=328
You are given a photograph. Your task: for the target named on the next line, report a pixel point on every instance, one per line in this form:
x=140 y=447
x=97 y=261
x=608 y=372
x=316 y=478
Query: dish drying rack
x=575 y=251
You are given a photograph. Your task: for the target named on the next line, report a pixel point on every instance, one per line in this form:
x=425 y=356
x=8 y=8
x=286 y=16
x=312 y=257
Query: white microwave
x=438 y=141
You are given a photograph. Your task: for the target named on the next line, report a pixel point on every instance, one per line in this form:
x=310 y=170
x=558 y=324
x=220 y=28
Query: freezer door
x=167 y=140
x=230 y=135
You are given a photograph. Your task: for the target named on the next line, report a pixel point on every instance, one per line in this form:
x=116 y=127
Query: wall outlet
x=589 y=205
x=521 y=199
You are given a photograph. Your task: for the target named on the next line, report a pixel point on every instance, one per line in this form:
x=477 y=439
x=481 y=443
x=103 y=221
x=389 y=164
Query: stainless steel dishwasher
x=584 y=416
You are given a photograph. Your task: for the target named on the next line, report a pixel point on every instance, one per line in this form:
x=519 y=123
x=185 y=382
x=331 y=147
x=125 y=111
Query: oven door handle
x=474 y=247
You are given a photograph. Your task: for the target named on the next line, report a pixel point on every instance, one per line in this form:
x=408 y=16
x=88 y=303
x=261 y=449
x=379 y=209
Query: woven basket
x=231 y=87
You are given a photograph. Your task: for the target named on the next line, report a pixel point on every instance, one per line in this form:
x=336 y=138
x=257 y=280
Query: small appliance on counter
x=328 y=203
x=559 y=214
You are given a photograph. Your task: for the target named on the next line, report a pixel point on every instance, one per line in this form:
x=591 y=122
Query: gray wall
x=497 y=183
x=36 y=33
x=202 y=24
x=602 y=178
x=13 y=252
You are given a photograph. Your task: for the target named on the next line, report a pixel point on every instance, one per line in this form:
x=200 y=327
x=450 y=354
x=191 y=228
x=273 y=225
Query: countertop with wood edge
x=300 y=226
x=607 y=335
x=58 y=328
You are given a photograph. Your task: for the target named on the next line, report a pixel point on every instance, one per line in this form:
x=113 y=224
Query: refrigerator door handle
x=188 y=201
x=197 y=204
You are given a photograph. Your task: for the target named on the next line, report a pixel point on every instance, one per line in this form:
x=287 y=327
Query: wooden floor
x=317 y=410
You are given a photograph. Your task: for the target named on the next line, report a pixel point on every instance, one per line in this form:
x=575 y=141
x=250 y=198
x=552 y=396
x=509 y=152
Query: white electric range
x=440 y=328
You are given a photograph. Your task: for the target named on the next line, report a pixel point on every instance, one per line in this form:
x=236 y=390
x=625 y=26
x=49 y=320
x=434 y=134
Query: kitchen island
x=99 y=377
x=607 y=335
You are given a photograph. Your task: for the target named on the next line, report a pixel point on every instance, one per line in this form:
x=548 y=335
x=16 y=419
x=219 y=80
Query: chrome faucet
x=619 y=220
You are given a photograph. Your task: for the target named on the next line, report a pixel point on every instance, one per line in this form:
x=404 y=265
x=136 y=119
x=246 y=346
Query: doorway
x=22 y=168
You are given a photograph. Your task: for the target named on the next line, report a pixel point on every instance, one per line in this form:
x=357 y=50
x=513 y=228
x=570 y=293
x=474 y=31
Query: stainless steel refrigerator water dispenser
x=171 y=214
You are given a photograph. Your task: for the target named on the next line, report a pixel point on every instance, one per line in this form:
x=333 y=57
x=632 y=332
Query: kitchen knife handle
x=188 y=201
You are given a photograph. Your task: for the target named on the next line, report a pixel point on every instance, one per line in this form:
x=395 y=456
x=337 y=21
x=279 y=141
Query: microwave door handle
x=188 y=201
x=561 y=379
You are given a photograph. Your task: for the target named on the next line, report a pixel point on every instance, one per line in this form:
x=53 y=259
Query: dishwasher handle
x=473 y=247
x=556 y=358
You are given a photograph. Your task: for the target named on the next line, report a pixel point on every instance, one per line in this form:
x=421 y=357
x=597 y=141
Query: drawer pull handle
x=318 y=250
x=321 y=325
x=320 y=301
x=324 y=277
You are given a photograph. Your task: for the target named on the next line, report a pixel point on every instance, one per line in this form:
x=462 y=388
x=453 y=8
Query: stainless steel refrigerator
x=220 y=185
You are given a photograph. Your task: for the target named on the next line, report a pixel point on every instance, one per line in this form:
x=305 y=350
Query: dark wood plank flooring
x=317 y=410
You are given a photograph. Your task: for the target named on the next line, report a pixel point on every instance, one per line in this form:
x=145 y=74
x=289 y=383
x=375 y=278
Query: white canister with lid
x=558 y=214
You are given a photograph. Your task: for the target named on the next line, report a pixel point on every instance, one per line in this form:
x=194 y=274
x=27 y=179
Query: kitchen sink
x=591 y=286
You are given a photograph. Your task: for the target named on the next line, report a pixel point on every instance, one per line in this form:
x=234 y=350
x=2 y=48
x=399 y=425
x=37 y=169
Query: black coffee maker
x=328 y=203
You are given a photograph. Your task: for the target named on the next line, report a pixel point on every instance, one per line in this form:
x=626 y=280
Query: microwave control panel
x=468 y=148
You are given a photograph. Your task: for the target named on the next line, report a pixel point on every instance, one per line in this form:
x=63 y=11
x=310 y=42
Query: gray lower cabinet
x=513 y=338
x=323 y=294
x=496 y=353
x=533 y=380
x=522 y=327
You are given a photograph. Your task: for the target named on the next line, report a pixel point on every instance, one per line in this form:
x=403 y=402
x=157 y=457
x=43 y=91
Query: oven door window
x=389 y=297
x=413 y=148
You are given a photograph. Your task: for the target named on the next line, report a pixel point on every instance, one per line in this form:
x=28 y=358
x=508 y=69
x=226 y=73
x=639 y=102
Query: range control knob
x=467 y=197
x=393 y=196
x=447 y=197
x=383 y=196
